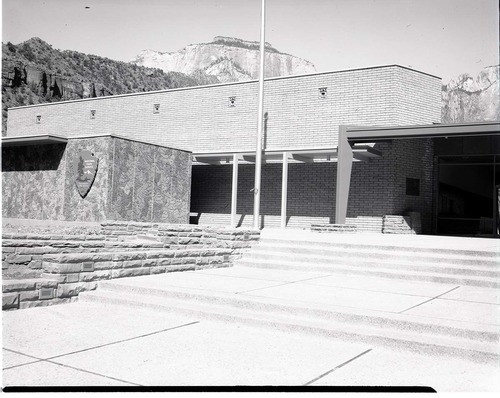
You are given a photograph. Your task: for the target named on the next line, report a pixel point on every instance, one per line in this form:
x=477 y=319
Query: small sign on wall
x=85 y=170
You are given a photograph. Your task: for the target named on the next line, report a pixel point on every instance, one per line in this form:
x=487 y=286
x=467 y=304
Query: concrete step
x=363 y=269
x=413 y=254
x=354 y=260
x=437 y=337
x=442 y=246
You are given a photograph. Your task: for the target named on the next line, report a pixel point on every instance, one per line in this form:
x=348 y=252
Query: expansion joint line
x=280 y=284
x=49 y=359
x=337 y=367
x=431 y=299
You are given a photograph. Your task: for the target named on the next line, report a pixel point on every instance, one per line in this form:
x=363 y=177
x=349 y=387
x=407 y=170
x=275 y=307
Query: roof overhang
x=372 y=134
x=33 y=140
x=361 y=152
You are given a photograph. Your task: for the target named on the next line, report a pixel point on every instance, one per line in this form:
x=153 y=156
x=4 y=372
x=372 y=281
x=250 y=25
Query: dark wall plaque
x=85 y=168
x=413 y=186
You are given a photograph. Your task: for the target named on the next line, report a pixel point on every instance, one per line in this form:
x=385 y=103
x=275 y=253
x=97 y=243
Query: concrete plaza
x=94 y=343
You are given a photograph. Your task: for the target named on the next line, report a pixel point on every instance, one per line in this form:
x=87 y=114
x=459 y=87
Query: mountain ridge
x=469 y=99
x=34 y=72
x=240 y=58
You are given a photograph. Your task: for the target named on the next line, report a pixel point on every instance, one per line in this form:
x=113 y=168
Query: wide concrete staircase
x=296 y=258
x=379 y=258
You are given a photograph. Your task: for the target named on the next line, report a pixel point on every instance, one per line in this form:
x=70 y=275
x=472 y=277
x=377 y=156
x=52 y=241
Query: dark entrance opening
x=468 y=195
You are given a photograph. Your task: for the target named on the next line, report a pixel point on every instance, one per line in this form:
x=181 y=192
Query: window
x=413 y=186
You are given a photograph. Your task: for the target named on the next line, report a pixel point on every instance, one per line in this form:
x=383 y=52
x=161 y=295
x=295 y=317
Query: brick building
x=303 y=117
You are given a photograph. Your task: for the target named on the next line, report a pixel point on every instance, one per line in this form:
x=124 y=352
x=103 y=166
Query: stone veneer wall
x=134 y=181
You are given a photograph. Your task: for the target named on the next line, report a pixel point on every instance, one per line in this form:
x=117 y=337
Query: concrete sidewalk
x=98 y=344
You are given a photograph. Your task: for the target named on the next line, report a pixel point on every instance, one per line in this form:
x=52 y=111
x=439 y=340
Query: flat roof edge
x=34 y=139
x=353 y=128
x=53 y=139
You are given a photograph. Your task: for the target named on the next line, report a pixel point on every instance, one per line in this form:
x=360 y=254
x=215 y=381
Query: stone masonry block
x=132 y=264
x=36 y=250
x=180 y=267
x=29 y=295
x=62 y=278
x=92 y=244
x=128 y=256
x=221 y=251
x=96 y=237
x=188 y=241
x=164 y=261
x=35 y=264
x=10 y=300
x=65 y=244
x=95 y=276
x=126 y=272
x=43 y=303
x=46 y=283
x=102 y=265
x=86 y=286
x=157 y=270
x=183 y=260
x=18 y=259
x=61 y=268
x=161 y=254
x=35 y=236
x=74 y=237
x=68 y=290
x=150 y=262
x=16 y=286
x=187 y=253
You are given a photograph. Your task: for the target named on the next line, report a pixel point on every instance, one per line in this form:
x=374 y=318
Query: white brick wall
x=200 y=119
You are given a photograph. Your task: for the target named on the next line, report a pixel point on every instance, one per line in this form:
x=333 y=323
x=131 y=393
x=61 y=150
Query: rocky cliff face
x=466 y=99
x=228 y=59
x=33 y=72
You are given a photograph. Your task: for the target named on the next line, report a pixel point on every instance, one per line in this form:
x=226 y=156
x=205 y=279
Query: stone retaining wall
x=397 y=225
x=338 y=228
x=66 y=275
x=182 y=235
x=22 y=252
x=366 y=223
x=71 y=263
x=389 y=224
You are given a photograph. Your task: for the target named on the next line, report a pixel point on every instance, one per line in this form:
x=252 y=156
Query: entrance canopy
x=351 y=136
x=360 y=152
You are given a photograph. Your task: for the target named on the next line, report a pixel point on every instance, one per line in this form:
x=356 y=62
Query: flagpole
x=260 y=120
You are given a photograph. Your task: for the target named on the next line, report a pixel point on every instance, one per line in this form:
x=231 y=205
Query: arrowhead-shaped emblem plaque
x=85 y=169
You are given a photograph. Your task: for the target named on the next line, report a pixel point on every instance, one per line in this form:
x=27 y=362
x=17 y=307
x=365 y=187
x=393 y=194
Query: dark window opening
x=413 y=186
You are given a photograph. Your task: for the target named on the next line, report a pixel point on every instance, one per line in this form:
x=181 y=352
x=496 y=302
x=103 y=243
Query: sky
x=440 y=37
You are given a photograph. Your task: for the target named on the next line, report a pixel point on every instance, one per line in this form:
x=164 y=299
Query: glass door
x=467 y=195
